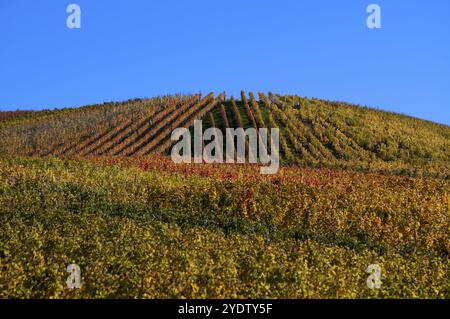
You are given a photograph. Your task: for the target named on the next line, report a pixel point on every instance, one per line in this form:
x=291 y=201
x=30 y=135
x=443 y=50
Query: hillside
x=92 y=186
x=314 y=132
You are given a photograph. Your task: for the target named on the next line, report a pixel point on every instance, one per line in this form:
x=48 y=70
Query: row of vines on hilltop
x=313 y=132
x=137 y=138
x=185 y=119
x=62 y=131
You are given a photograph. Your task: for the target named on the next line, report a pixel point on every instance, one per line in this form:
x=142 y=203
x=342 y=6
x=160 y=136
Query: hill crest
x=313 y=132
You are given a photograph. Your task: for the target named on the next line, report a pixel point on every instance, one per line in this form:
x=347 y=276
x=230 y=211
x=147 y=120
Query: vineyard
x=93 y=186
x=152 y=229
x=314 y=133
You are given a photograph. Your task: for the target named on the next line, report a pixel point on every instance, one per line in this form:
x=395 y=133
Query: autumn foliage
x=93 y=186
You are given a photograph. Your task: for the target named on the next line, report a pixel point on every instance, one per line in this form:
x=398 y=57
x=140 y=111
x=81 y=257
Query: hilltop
x=314 y=132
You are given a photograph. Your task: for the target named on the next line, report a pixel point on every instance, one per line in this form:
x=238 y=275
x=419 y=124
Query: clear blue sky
x=142 y=48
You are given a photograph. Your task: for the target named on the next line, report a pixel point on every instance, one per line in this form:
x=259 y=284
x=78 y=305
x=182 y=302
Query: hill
x=92 y=186
x=314 y=133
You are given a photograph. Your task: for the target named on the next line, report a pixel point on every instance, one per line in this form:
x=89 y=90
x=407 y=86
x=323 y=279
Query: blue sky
x=142 y=48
